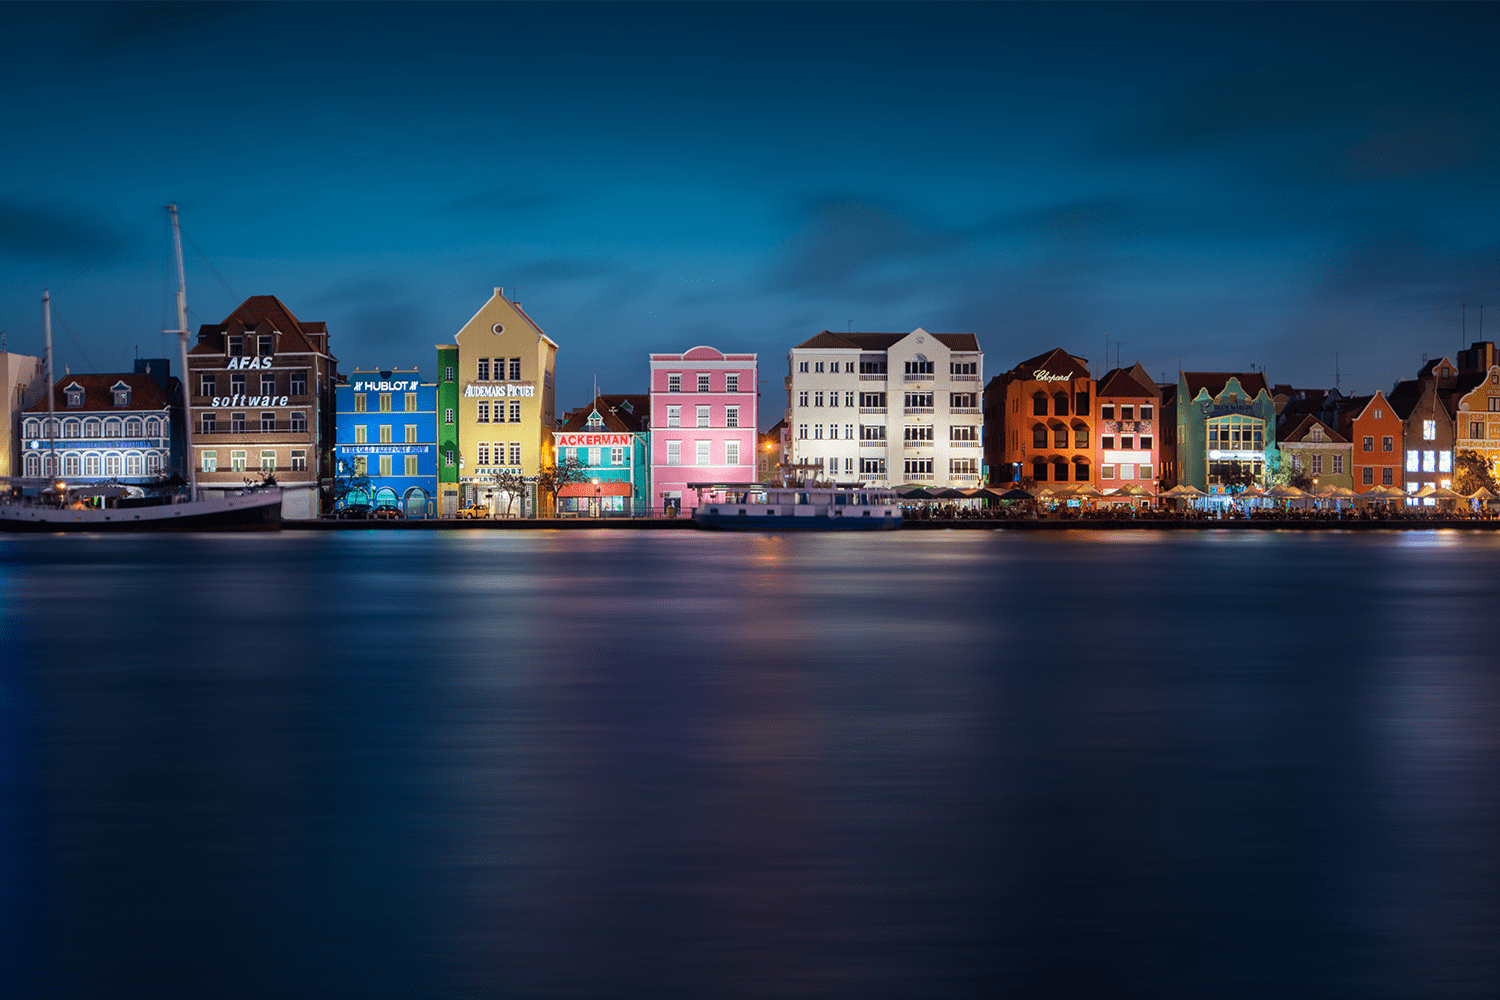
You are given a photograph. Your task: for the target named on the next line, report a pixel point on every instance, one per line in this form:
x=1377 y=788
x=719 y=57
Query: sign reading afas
x=590 y=440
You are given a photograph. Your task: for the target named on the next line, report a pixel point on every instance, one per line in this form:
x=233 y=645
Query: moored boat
x=257 y=509
x=801 y=508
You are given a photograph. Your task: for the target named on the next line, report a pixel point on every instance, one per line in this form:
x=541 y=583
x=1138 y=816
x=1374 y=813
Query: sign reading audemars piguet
x=499 y=390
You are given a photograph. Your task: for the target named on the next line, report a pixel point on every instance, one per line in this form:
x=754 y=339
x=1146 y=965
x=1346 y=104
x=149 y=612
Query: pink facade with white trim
x=703 y=423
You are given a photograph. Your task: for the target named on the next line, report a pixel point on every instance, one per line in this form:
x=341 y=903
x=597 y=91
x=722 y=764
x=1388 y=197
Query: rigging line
x=233 y=294
x=110 y=252
x=73 y=339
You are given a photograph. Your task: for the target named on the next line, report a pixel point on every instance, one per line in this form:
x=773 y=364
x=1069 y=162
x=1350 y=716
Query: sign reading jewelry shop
x=486 y=389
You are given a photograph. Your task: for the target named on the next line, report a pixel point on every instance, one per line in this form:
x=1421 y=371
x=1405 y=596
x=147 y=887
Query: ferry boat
x=752 y=507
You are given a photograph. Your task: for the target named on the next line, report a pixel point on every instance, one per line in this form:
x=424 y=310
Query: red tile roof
x=145 y=394
x=1252 y=382
x=883 y=341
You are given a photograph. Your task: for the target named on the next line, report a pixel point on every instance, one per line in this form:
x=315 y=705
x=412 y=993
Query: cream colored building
x=505 y=397
x=1477 y=423
x=23 y=379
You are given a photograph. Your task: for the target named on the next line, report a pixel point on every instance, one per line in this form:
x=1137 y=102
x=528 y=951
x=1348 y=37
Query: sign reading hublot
x=386 y=386
x=499 y=390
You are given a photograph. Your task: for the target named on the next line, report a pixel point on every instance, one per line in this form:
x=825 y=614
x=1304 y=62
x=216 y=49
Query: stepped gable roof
x=1126 y=382
x=263 y=314
x=883 y=341
x=1298 y=432
x=98 y=394
x=1427 y=369
x=1057 y=361
x=1254 y=383
x=623 y=414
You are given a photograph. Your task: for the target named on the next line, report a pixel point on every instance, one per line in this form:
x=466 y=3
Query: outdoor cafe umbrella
x=1134 y=490
x=1016 y=494
x=1427 y=491
x=1087 y=490
x=1285 y=493
x=1186 y=491
x=1483 y=495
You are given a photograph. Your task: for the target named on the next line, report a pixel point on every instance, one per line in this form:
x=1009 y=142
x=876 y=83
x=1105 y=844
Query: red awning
x=595 y=490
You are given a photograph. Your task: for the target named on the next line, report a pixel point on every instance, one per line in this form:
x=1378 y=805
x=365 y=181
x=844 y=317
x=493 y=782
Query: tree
x=1289 y=472
x=510 y=485
x=1472 y=472
x=351 y=480
x=556 y=477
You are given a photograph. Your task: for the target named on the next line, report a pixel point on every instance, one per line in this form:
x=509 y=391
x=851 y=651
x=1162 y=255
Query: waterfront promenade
x=919 y=524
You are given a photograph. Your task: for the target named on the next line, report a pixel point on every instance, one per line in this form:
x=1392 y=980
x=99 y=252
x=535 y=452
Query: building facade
x=1039 y=421
x=1129 y=441
x=504 y=371
x=704 y=416
x=886 y=408
x=1226 y=430
x=386 y=429
x=610 y=438
x=108 y=428
x=1309 y=445
x=23 y=379
x=1478 y=419
x=1375 y=435
x=261 y=387
x=1427 y=425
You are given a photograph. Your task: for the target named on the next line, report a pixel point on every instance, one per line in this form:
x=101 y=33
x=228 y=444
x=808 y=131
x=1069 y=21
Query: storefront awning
x=595 y=490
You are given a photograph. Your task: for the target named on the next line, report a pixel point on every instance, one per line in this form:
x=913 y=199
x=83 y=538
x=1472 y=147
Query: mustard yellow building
x=1477 y=426
x=504 y=401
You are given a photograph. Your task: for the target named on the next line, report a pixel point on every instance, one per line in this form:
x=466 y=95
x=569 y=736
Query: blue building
x=386 y=429
x=611 y=438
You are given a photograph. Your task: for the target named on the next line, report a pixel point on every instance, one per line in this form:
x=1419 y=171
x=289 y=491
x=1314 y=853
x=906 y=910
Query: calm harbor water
x=664 y=764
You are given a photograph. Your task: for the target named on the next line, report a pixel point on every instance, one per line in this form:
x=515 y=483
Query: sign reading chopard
x=487 y=389
x=1043 y=375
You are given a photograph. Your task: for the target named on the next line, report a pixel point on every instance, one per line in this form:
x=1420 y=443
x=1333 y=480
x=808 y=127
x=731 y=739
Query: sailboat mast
x=182 y=345
x=51 y=395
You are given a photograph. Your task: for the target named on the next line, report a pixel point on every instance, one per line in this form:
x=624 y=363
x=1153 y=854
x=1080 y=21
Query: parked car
x=475 y=510
x=353 y=512
x=385 y=512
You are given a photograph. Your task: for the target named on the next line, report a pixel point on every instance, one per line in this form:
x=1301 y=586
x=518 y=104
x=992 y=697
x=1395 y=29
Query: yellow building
x=505 y=402
x=1477 y=423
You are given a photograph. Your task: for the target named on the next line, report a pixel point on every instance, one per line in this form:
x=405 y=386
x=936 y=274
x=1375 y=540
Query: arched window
x=33 y=465
x=51 y=429
x=1060 y=470
x=111 y=428
x=91 y=464
x=91 y=429
x=1060 y=436
x=1080 y=469
x=1080 y=435
x=132 y=428
x=70 y=465
x=111 y=465
x=70 y=429
x=1039 y=436
x=49 y=465
x=1039 y=470
x=153 y=464
x=1039 y=405
x=153 y=428
x=1060 y=404
x=34 y=430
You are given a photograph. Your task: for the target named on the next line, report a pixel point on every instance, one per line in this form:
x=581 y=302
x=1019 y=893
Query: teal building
x=611 y=439
x=1226 y=430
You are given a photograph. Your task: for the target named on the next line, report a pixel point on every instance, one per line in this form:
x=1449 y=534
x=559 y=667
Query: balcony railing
x=280 y=427
x=964 y=444
x=918 y=378
x=963 y=409
x=914 y=476
x=878 y=445
x=917 y=409
x=917 y=444
x=872 y=409
x=963 y=378
x=865 y=377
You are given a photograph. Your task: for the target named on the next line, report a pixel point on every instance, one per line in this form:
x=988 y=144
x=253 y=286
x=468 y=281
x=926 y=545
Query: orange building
x=1375 y=430
x=1039 y=422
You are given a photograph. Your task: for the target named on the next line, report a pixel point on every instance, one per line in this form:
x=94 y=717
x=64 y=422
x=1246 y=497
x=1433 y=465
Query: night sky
x=1229 y=185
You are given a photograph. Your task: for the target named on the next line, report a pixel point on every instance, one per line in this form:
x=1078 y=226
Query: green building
x=1226 y=430
x=447 y=429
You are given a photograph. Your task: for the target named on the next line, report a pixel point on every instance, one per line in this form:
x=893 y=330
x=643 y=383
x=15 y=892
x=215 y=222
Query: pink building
x=1129 y=447
x=703 y=423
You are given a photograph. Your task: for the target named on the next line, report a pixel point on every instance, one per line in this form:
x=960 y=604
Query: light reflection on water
x=621 y=764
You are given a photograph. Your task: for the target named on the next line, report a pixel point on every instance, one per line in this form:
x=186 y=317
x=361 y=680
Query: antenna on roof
x=1336 y=383
x=1463 y=324
x=848 y=326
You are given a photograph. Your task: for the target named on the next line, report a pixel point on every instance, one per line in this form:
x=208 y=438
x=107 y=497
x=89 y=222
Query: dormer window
x=74 y=393
x=264 y=347
x=121 y=393
x=595 y=421
x=236 y=347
